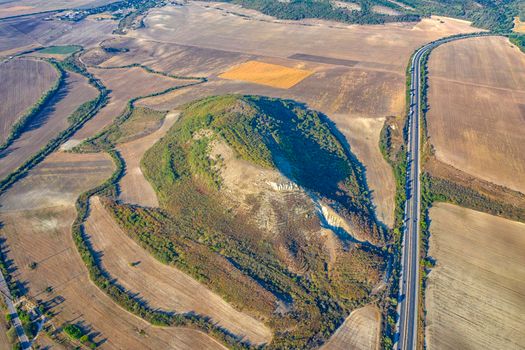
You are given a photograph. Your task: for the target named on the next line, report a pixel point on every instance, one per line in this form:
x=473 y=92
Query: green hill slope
x=263 y=203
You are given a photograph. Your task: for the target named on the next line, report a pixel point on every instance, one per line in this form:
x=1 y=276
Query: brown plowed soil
x=134 y=188
x=37 y=214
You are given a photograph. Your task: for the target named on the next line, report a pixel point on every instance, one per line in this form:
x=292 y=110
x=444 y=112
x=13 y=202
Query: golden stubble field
x=266 y=74
x=477 y=109
x=476 y=291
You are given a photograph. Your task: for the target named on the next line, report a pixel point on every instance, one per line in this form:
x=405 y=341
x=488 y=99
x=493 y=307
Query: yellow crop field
x=266 y=74
x=519 y=26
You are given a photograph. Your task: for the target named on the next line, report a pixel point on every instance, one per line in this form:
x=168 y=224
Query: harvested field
x=388 y=45
x=266 y=74
x=476 y=291
x=161 y=285
x=124 y=83
x=519 y=26
x=24 y=81
x=477 y=109
x=360 y=331
x=48 y=123
x=37 y=214
x=134 y=188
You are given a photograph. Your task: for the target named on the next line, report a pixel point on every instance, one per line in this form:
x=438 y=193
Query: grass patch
x=60 y=50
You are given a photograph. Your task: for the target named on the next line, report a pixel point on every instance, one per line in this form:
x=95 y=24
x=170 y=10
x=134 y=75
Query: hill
x=261 y=202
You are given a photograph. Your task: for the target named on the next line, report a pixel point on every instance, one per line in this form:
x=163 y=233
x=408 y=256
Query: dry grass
x=360 y=331
x=266 y=74
x=23 y=82
x=161 y=285
x=48 y=123
x=134 y=188
x=476 y=291
x=477 y=109
x=519 y=26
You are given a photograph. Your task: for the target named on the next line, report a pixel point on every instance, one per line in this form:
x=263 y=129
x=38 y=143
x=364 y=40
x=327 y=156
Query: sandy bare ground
x=124 y=83
x=476 y=292
x=49 y=123
x=477 y=109
x=373 y=87
x=161 y=285
x=24 y=81
x=37 y=214
x=134 y=188
x=360 y=331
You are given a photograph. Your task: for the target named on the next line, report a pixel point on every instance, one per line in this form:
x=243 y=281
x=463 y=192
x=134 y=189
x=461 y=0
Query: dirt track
x=476 y=292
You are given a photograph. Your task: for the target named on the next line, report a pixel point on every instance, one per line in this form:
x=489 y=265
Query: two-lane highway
x=409 y=279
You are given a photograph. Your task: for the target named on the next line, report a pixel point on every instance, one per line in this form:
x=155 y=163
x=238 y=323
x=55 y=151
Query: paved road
x=409 y=281
x=6 y=295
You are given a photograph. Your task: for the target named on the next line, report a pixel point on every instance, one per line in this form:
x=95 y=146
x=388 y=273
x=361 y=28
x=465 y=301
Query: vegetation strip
x=21 y=124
